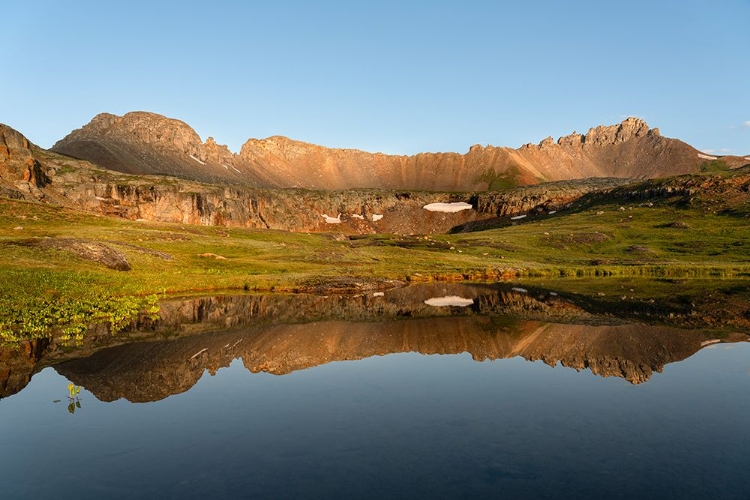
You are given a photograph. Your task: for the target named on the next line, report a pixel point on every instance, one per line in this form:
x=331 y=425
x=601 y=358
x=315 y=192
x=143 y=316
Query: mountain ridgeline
x=147 y=143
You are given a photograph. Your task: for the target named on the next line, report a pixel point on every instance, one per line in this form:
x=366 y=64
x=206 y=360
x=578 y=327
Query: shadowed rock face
x=19 y=169
x=281 y=334
x=18 y=365
x=147 y=143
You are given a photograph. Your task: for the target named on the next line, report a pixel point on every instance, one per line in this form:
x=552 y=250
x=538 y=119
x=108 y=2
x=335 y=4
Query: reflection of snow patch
x=706 y=157
x=552 y=212
x=448 y=207
x=196 y=159
x=520 y=290
x=452 y=300
x=378 y=294
x=357 y=216
x=517 y=217
x=332 y=220
x=376 y=217
x=554 y=294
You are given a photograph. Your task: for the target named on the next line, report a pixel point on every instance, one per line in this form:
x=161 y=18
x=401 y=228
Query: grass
x=44 y=289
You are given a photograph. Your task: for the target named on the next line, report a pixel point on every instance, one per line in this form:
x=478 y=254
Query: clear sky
x=391 y=76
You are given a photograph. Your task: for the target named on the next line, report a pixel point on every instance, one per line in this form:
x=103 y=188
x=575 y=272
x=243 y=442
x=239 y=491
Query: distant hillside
x=147 y=143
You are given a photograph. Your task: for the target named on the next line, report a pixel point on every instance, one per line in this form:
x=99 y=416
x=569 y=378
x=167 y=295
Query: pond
x=509 y=392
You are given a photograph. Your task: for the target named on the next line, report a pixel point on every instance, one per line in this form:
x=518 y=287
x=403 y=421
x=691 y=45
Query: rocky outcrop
x=146 y=143
x=19 y=169
x=88 y=250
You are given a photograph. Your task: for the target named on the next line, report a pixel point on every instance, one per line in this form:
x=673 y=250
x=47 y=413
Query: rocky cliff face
x=342 y=211
x=146 y=143
x=19 y=169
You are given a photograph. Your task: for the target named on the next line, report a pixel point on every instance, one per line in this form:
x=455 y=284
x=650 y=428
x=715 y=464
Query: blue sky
x=391 y=76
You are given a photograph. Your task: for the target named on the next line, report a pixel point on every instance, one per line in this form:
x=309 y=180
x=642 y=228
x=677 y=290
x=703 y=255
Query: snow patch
x=450 y=208
x=519 y=290
x=449 y=300
x=376 y=217
x=236 y=170
x=378 y=294
x=710 y=342
x=357 y=216
x=517 y=217
x=552 y=212
x=225 y=166
x=706 y=157
x=332 y=220
x=196 y=159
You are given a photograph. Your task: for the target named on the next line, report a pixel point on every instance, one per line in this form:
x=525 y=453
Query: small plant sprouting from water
x=73 y=399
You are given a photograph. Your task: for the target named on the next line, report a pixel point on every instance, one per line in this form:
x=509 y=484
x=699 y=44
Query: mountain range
x=147 y=143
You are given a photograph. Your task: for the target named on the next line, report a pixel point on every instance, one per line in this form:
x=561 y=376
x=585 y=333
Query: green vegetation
x=714 y=166
x=500 y=181
x=45 y=289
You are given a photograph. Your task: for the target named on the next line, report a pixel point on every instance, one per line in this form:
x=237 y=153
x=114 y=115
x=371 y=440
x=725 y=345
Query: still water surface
x=398 y=425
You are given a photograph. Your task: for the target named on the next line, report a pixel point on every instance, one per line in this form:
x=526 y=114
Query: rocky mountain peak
x=147 y=143
x=140 y=127
x=629 y=129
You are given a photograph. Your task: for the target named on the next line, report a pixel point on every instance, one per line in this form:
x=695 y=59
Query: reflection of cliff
x=281 y=333
x=221 y=312
x=18 y=365
x=149 y=371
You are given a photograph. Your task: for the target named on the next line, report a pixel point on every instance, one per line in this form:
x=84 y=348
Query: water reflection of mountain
x=283 y=333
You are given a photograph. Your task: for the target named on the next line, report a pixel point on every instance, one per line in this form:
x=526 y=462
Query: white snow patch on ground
x=236 y=170
x=225 y=166
x=450 y=208
x=332 y=220
x=357 y=216
x=709 y=342
x=747 y=158
x=520 y=290
x=449 y=300
x=196 y=159
x=378 y=294
x=517 y=217
x=376 y=217
x=706 y=157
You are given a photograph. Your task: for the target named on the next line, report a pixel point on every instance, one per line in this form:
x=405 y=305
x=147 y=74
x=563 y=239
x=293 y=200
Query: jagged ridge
x=147 y=143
